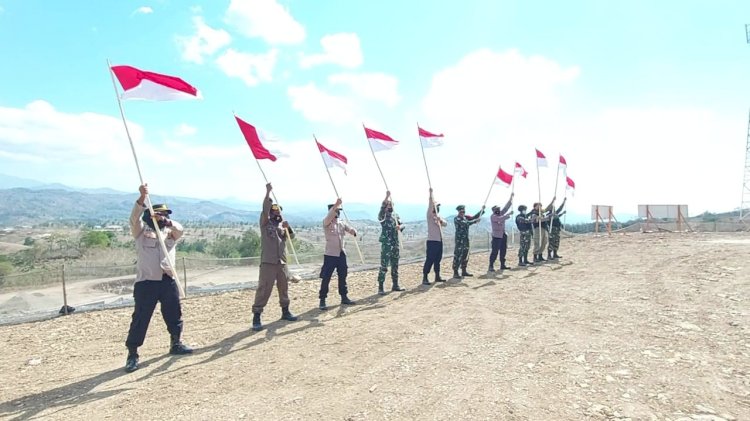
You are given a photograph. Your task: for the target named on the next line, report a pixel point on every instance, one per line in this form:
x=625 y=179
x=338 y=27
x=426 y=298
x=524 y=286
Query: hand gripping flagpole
x=286 y=230
x=335 y=191
x=159 y=234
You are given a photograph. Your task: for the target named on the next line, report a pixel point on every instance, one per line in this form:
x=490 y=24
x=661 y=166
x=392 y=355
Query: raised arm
x=332 y=213
x=507 y=205
x=562 y=205
x=266 y=206
x=136 y=225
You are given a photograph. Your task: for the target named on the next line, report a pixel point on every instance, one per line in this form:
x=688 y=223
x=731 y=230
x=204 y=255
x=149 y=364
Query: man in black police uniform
x=154 y=280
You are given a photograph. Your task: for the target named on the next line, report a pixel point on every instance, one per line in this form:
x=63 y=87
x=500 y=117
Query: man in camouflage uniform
x=523 y=223
x=462 y=222
x=554 y=233
x=389 y=244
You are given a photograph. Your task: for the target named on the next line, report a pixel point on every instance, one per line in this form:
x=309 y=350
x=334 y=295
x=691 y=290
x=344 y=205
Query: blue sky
x=648 y=101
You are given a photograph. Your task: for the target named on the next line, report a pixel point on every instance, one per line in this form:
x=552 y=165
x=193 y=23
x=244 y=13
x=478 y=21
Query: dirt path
x=632 y=326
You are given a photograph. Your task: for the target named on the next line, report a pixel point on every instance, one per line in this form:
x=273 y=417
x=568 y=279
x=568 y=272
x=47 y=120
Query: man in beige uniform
x=334 y=257
x=273 y=236
x=154 y=281
x=434 y=252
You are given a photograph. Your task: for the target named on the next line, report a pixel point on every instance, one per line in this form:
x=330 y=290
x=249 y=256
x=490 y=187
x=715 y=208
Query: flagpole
x=147 y=201
x=429 y=183
x=376 y=159
x=512 y=189
x=491 y=185
x=335 y=191
x=539 y=191
x=286 y=230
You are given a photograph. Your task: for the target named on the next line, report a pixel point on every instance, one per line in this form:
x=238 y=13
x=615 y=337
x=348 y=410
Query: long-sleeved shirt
x=434 y=222
x=151 y=262
x=391 y=225
x=273 y=238
x=498 y=221
x=462 y=225
x=335 y=230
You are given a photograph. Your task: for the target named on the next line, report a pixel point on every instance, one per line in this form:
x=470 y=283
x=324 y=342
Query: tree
x=250 y=244
x=101 y=239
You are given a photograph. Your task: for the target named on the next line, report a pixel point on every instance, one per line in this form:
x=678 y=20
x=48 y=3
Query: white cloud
x=496 y=107
x=204 y=42
x=319 y=106
x=251 y=68
x=265 y=19
x=185 y=130
x=343 y=49
x=143 y=10
x=374 y=86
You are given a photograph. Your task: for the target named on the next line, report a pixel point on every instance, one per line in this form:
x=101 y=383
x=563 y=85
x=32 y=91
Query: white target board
x=663 y=211
x=603 y=212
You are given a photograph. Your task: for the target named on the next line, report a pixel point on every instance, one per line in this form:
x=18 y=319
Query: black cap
x=460 y=208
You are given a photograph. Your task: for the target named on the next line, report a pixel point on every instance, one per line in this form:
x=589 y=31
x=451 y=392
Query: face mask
x=338 y=213
x=497 y=212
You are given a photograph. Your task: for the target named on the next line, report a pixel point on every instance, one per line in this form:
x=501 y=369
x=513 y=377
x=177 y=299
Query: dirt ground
x=635 y=326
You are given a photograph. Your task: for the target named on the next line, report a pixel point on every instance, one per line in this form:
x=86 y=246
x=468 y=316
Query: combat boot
x=521 y=262
x=323 y=306
x=465 y=273
x=257 y=325
x=503 y=266
x=346 y=301
x=396 y=287
x=491 y=268
x=549 y=255
x=177 y=347
x=438 y=278
x=555 y=255
x=425 y=281
x=381 y=291
x=541 y=258
x=131 y=363
x=526 y=260
x=287 y=315
x=456 y=275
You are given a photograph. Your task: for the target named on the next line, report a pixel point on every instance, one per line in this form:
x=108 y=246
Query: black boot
x=257 y=325
x=541 y=258
x=555 y=255
x=381 y=290
x=425 y=281
x=503 y=266
x=346 y=301
x=287 y=315
x=521 y=262
x=323 y=306
x=465 y=273
x=526 y=260
x=131 y=363
x=438 y=278
x=177 y=347
x=396 y=287
x=456 y=275
x=491 y=268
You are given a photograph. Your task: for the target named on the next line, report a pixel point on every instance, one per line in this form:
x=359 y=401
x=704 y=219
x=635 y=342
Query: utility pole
x=746 y=178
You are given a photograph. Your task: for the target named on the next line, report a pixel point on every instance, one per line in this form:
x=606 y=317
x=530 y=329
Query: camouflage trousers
x=389 y=255
x=525 y=240
x=461 y=255
x=554 y=240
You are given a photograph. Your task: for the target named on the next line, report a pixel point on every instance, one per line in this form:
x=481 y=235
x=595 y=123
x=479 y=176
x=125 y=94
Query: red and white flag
x=520 y=170
x=253 y=140
x=541 y=160
x=141 y=84
x=331 y=158
x=563 y=163
x=570 y=184
x=380 y=141
x=430 y=140
x=503 y=178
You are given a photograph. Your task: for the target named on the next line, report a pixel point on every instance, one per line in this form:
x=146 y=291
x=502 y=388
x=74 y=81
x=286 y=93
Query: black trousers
x=331 y=263
x=146 y=295
x=499 y=245
x=434 y=254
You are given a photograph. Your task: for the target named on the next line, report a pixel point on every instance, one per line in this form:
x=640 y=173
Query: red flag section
x=141 y=84
x=503 y=177
x=253 y=140
x=521 y=170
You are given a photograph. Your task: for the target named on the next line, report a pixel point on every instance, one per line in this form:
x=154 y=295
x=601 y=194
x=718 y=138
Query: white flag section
x=430 y=140
x=140 y=84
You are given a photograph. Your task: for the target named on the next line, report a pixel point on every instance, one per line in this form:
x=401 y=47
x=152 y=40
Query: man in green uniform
x=462 y=222
x=389 y=244
x=523 y=223
x=554 y=233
